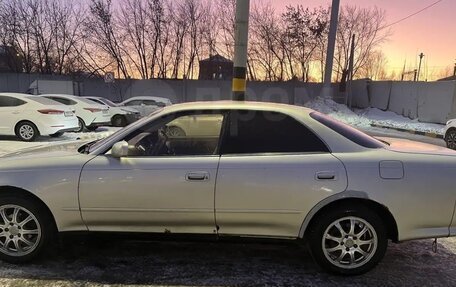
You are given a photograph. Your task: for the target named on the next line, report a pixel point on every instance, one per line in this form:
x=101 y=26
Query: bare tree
x=366 y=24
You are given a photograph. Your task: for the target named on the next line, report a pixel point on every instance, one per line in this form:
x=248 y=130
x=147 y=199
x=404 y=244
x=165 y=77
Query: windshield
x=132 y=126
x=347 y=131
x=87 y=101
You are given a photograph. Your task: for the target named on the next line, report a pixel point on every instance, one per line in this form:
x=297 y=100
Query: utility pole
x=350 y=71
x=454 y=71
x=327 y=90
x=419 y=66
x=240 y=49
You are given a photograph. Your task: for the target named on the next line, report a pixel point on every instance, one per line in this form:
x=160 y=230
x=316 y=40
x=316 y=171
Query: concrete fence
x=433 y=102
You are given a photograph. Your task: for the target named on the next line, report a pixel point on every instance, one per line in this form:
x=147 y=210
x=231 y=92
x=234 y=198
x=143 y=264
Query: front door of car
x=165 y=184
x=272 y=172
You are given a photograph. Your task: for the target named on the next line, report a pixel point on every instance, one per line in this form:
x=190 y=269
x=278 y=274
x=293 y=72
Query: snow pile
x=364 y=118
x=391 y=119
x=338 y=111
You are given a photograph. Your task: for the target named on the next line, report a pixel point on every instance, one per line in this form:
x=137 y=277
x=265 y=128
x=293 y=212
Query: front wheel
x=25 y=229
x=81 y=126
x=348 y=240
x=450 y=139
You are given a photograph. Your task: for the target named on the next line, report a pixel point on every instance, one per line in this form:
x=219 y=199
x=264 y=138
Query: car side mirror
x=120 y=149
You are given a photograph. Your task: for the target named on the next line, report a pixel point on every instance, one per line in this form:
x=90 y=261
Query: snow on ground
x=363 y=118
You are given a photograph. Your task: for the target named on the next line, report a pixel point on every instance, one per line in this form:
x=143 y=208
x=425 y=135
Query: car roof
x=17 y=95
x=239 y=105
x=144 y=98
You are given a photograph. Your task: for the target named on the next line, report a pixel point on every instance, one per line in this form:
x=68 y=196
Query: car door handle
x=197 y=176
x=326 y=175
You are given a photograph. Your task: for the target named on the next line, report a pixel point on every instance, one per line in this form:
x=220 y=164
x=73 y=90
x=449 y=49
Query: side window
x=150 y=103
x=252 y=132
x=10 y=102
x=133 y=103
x=182 y=134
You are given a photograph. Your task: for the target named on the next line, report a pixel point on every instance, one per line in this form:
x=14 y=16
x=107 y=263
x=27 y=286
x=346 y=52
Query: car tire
x=56 y=135
x=349 y=240
x=81 y=126
x=118 y=121
x=174 y=131
x=26 y=131
x=27 y=229
x=450 y=139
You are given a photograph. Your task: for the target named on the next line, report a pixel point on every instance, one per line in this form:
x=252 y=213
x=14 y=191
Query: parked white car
x=268 y=171
x=28 y=116
x=90 y=115
x=146 y=105
x=450 y=134
x=120 y=116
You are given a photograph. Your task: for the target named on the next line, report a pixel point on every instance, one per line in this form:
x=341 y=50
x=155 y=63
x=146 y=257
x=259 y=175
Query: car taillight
x=93 y=110
x=51 y=112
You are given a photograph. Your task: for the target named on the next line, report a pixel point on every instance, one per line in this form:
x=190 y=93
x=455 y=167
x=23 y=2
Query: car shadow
x=225 y=264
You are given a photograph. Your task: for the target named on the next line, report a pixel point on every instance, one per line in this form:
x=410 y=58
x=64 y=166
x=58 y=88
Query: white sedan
x=146 y=105
x=267 y=171
x=120 y=116
x=28 y=116
x=90 y=115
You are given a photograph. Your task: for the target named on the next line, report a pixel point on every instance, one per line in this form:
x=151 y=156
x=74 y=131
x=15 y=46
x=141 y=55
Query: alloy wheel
x=20 y=231
x=349 y=242
x=26 y=131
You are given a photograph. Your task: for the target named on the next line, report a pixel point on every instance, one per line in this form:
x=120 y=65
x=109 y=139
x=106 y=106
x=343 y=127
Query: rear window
x=43 y=101
x=347 y=131
x=87 y=101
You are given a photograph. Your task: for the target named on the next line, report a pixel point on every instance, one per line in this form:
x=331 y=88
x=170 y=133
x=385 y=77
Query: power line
x=411 y=15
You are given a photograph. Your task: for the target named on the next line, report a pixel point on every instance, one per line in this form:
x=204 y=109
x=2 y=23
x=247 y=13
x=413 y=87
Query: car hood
x=58 y=156
x=409 y=146
x=47 y=150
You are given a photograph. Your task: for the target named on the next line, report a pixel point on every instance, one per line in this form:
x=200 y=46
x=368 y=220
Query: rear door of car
x=10 y=113
x=273 y=170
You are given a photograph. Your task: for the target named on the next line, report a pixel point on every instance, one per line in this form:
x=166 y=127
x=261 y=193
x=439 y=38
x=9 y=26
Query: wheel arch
x=360 y=199
x=16 y=191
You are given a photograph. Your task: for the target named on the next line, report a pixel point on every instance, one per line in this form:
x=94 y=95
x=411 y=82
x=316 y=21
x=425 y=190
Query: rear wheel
x=450 y=139
x=118 y=121
x=81 y=126
x=25 y=229
x=349 y=240
x=26 y=131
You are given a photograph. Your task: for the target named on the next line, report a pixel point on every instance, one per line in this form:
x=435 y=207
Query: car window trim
x=228 y=122
x=182 y=113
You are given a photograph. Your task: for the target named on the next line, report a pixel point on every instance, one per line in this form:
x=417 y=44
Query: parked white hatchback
x=90 y=115
x=120 y=116
x=28 y=116
x=146 y=105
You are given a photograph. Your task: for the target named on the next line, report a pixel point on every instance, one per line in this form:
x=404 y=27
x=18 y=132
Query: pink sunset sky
x=432 y=32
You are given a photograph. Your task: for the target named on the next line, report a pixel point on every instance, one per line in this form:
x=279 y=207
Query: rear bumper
x=50 y=127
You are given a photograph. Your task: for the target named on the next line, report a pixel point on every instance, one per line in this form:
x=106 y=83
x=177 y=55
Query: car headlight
x=450 y=122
